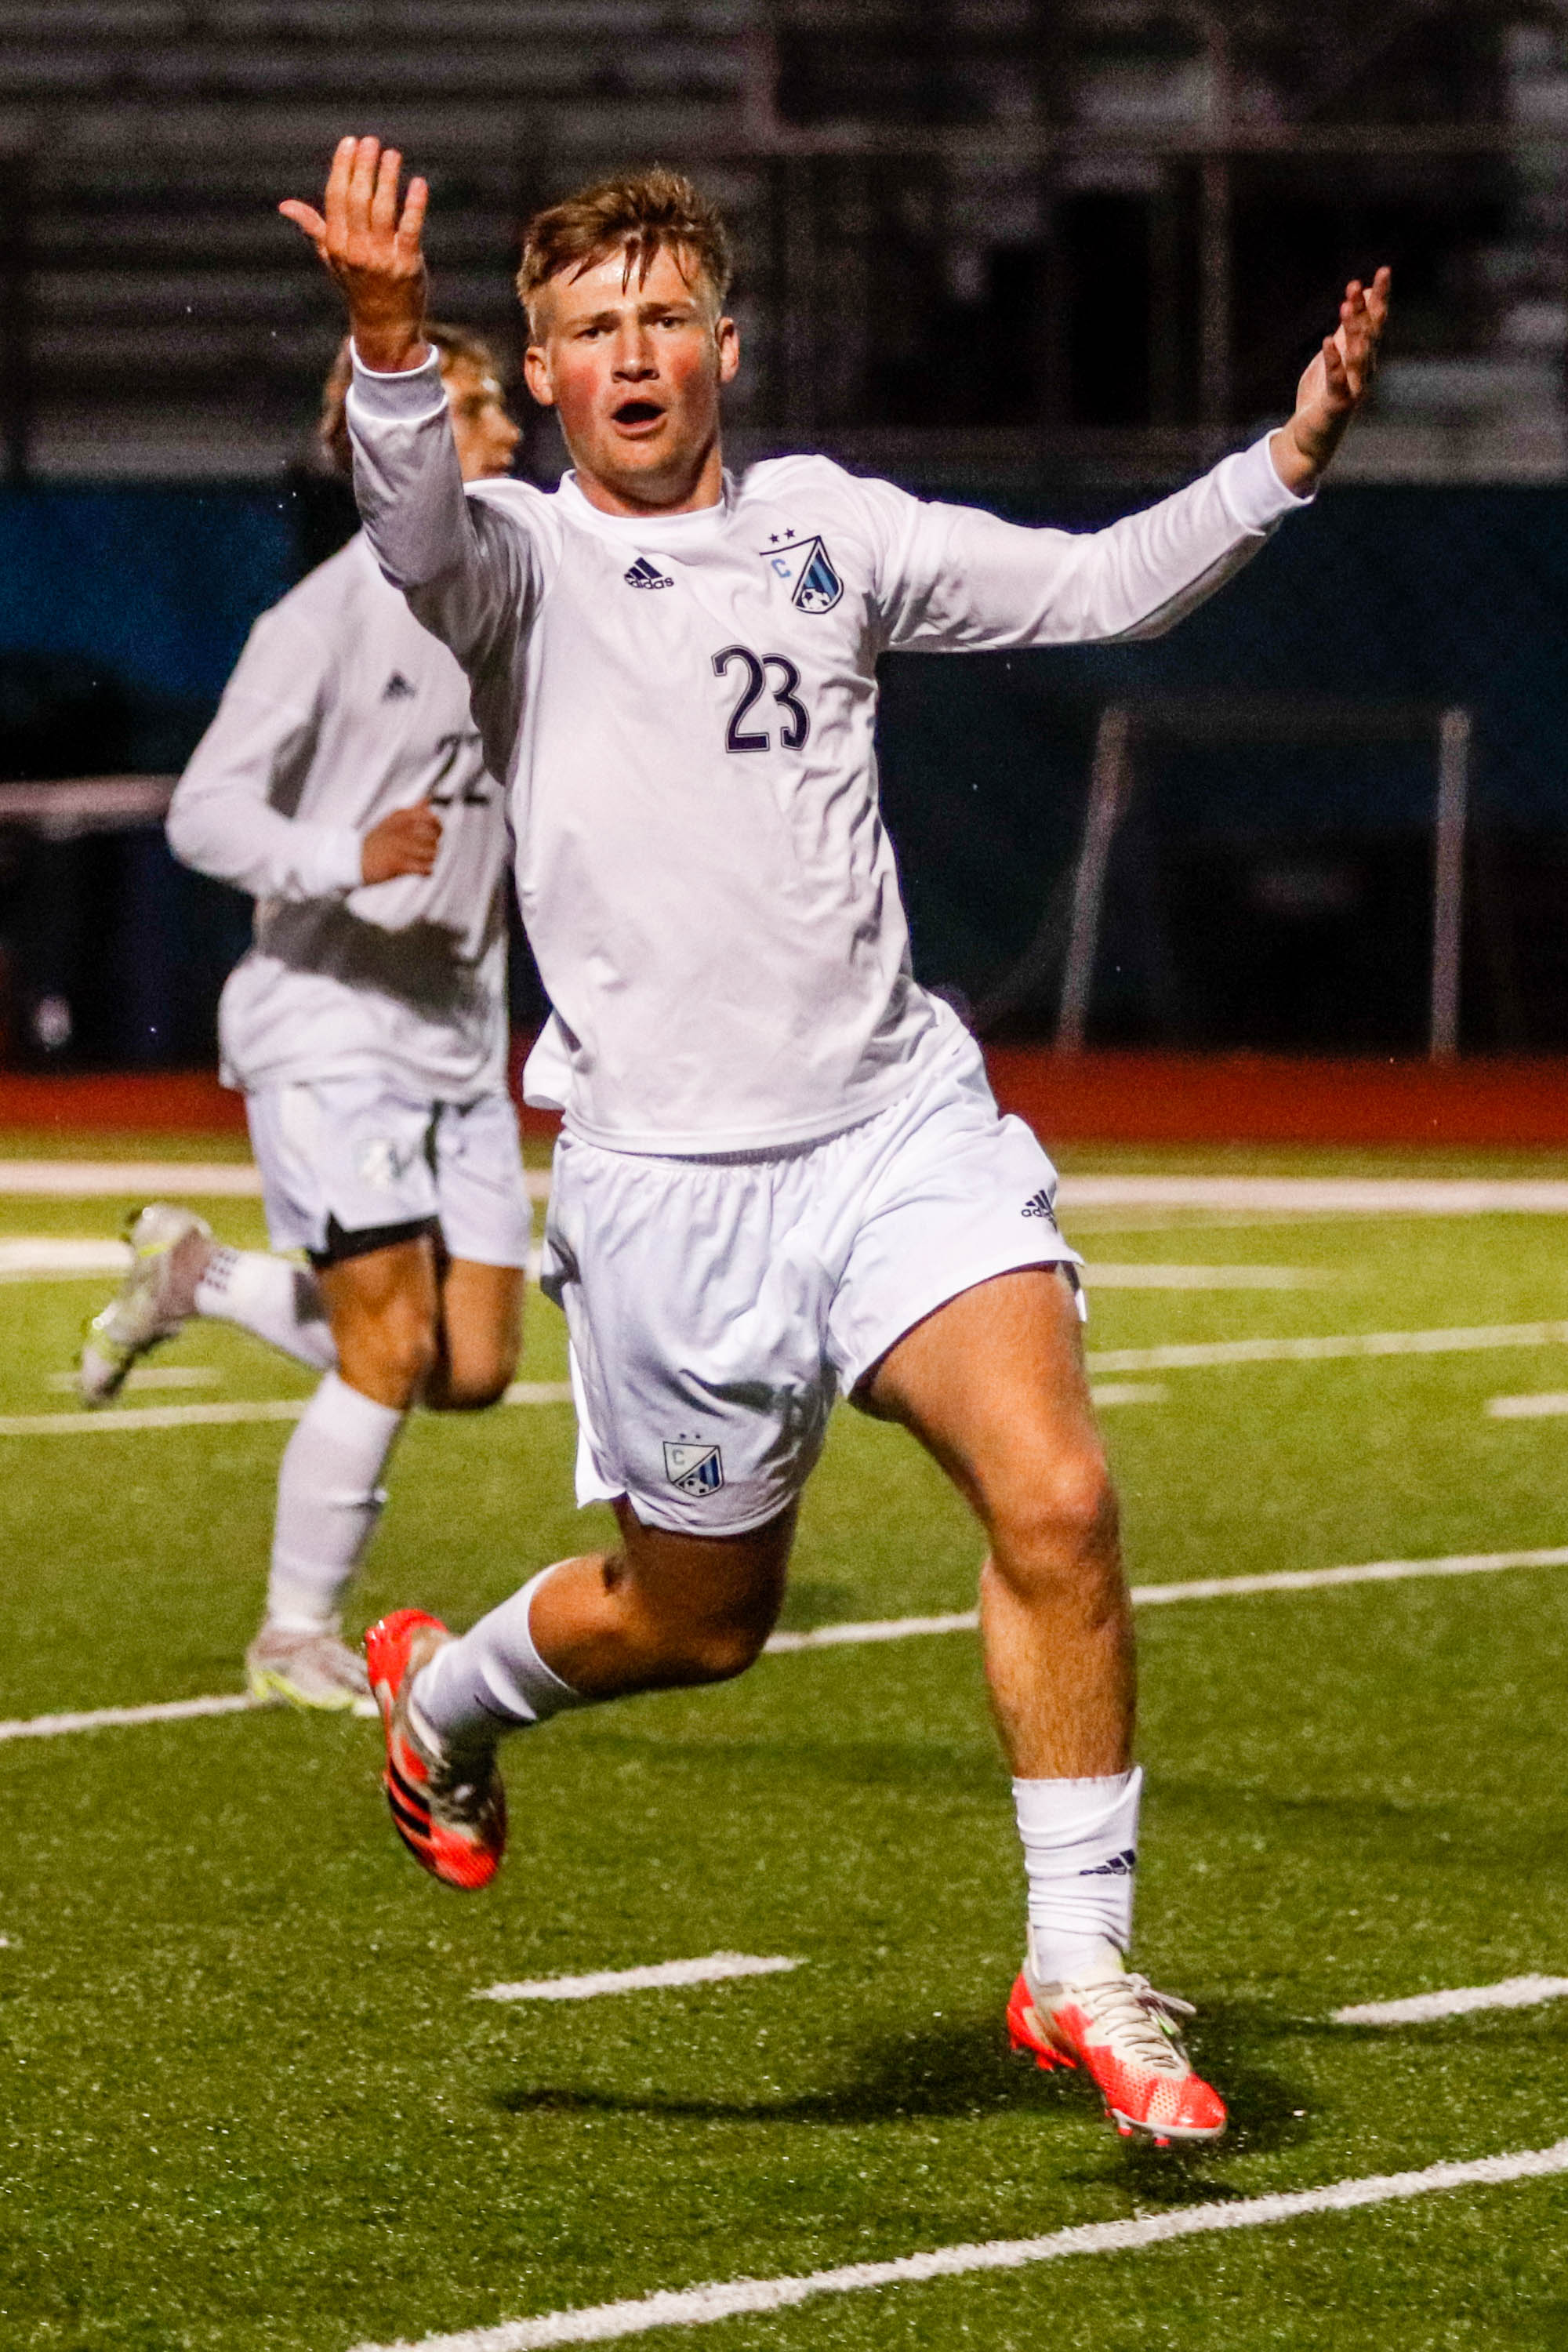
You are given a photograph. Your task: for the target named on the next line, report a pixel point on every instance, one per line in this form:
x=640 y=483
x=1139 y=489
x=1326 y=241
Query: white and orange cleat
x=447 y=1806
x=1124 y=2036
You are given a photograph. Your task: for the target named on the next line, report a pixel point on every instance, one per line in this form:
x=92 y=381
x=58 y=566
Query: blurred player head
x=624 y=285
x=484 y=433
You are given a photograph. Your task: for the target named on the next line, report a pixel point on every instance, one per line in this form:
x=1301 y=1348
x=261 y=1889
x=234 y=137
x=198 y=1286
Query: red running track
x=1132 y=1098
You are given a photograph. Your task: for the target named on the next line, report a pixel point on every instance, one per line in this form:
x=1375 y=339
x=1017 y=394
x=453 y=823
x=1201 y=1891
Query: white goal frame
x=1123 y=727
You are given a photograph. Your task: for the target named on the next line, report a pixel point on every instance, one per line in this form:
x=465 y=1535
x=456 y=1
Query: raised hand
x=369 y=245
x=404 y=842
x=1335 y=385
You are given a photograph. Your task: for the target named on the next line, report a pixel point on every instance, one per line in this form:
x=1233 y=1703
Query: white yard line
x=698 y=2306
x=1206 y=1588
x=27 y=1257
x=153 y=1376
x=1372 y=1571
x=1400 y=1196
x=146 y=1180
x=1106 y=1392
x=714 y=1970
x=1180 y=1357
x=108 y=1718
x=1544 y=1407
x=902 y=1629
x=1428 y=1196
x=119 y=1421
x=1203 y=1277
x=886 y=1629
x=1514 y=1992
x=1198 y=1355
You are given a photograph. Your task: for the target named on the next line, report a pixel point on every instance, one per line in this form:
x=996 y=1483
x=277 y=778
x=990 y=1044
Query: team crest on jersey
x=695 y=1469
x=814 y=585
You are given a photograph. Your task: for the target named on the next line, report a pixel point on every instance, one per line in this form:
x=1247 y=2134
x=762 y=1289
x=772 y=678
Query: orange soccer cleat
x=1123 y=2034
x=447 y=1806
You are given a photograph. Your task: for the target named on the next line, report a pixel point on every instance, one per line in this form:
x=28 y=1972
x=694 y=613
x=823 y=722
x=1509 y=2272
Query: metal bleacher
x=170 y=327
x=931 y=198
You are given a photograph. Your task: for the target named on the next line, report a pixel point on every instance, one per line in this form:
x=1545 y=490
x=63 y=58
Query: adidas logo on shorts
x=1040 y=1206
x=695 y=1469
x=644 y=574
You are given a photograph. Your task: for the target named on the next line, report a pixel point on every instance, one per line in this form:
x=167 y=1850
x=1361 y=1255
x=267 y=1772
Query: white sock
x=1081 y=1851
x=491 y=1679
x=327 y=1503
x=278 y=1300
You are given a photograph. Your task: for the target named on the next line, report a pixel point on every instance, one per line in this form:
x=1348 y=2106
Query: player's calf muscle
x=664 y=1611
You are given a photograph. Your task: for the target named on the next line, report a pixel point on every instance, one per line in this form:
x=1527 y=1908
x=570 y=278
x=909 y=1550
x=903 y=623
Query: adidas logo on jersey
x=644 y=574
x=695 y=1469
x=397 y=689
x=1120 y=1866
x=1040 y=1206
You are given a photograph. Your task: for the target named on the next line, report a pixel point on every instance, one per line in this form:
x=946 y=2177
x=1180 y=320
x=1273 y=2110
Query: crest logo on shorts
x=381 y=1163
x=805 y=563
x=695 y=1469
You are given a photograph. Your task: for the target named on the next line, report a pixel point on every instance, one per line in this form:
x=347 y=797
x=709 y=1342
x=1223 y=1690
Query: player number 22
x=758 y=679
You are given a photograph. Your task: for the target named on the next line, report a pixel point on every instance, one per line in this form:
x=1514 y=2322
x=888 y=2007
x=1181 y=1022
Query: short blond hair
x=638 y=214
x=454 y=344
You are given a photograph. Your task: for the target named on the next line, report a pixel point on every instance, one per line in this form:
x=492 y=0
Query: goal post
x=1127 y=730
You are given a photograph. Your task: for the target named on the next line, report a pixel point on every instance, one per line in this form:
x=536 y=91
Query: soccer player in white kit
x=781 y=1175
x=343 y=783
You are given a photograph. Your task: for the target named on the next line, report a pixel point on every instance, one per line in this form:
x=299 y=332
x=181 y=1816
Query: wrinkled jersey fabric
x=683 y=707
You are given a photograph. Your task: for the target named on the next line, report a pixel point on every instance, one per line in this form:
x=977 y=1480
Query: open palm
x=369 y=244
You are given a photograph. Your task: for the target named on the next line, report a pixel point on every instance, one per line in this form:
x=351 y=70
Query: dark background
x=1053 y=259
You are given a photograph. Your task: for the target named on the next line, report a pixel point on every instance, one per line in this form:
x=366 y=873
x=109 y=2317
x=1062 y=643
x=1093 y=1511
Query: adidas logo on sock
x=397 y=689
x=1120 y=1866
x=1040 y=1206
x=644 y=574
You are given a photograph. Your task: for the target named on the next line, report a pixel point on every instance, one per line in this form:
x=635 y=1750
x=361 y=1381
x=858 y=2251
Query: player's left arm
x=1336 y=381
x=957 y=579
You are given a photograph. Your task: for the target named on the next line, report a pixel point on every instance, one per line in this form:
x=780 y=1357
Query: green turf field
x=249 y=2100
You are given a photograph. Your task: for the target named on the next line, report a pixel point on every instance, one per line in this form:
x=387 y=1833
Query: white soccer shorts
x=717 y=1307
x=349 y=1164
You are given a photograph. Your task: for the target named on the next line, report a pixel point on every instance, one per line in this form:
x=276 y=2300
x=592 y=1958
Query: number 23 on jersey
x=773 y=675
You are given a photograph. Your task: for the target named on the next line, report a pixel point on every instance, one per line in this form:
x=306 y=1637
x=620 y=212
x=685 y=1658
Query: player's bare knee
x=403 y=1347
x=1061 y=1516
x=717 y=1654
x=686 y=1648
x=468 y=1388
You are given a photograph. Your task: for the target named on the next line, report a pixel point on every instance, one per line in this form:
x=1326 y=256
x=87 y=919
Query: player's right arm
x=224 y=820
x=465 y=568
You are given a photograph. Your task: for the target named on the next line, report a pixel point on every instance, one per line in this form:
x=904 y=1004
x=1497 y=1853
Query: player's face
x=633 y=369
x=484 y=433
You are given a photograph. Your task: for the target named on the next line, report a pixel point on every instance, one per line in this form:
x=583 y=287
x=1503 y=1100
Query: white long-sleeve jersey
x=343 y=709
x=682 y=708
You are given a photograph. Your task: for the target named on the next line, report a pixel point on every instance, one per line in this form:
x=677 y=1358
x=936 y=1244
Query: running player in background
x=343 y=784
x=782 y=1175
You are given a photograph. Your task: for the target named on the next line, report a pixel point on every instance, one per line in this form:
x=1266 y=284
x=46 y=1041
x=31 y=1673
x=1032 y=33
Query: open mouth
x=634 y=413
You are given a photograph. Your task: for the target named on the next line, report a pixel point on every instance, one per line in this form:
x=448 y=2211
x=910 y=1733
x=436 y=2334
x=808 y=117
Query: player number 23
x=763 y=674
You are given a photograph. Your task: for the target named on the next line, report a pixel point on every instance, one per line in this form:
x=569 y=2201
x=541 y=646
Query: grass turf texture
x=250 y=2102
